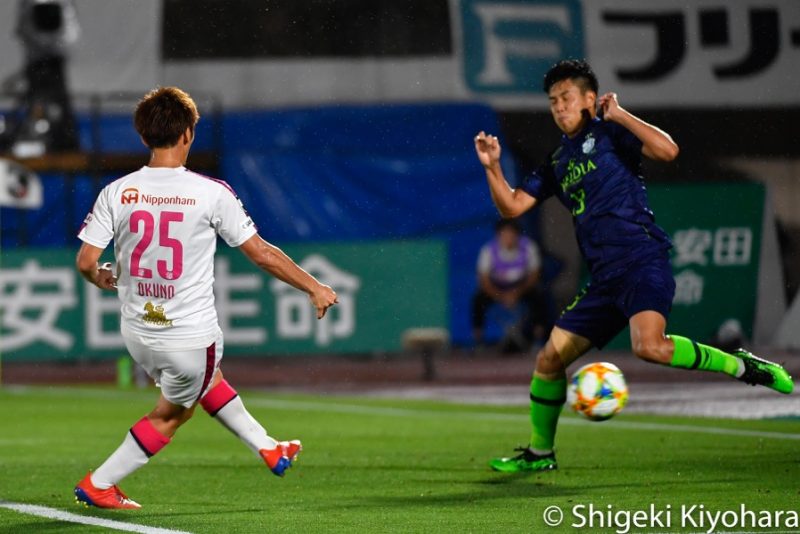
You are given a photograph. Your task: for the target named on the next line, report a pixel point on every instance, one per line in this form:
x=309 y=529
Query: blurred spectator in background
x=44 y=120
x=509 y=270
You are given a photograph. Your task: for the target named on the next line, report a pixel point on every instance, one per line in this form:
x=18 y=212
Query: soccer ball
x=597 y=391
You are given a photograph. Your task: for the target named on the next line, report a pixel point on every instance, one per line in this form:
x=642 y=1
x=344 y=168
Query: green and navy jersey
x=597 y=176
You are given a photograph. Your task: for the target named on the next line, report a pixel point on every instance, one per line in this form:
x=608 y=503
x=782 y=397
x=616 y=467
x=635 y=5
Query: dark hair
x=163 y=115
x=577 y=70
x=513 y=224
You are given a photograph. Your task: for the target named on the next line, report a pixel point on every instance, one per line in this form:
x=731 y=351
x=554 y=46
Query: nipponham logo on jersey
x=130 y=196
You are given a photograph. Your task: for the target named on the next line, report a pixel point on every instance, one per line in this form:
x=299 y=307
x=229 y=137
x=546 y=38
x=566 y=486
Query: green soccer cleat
x=764 y=373
x=527 y=460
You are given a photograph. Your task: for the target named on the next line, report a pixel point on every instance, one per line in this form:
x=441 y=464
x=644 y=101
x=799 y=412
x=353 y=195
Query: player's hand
x=488 y=149
x=609 y=105
x=323 y=298
x=105 y=277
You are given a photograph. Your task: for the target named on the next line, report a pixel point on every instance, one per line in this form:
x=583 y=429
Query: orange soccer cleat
x=291 y=448
x=281 y=457
x=86 y=493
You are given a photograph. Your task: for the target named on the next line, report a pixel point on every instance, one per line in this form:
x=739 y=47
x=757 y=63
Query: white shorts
x=184 y=376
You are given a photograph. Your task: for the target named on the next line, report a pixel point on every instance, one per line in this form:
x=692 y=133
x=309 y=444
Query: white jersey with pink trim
x=164 y=223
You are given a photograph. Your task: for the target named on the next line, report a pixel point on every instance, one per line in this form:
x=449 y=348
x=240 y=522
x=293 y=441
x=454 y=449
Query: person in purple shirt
x=596 y=174
x=509 y=271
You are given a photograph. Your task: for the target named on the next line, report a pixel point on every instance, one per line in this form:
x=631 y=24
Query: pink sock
x=142 y=442
x=218 y=397
x=149 y=439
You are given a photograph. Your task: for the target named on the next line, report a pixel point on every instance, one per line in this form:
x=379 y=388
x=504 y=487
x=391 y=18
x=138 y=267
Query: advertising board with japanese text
x=384 y=287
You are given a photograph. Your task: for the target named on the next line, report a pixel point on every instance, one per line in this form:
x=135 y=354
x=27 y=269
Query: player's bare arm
x=100 y=275
x=656 y=143
x=510 y=202
x=274 y=261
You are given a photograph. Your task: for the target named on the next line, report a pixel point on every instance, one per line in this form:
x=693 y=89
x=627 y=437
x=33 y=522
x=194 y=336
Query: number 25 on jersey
x=143 y=222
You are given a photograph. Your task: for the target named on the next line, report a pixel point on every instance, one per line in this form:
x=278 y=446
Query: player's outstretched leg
x=224 y=404
x=547 y=399
x=100 y=488
x=741 y=365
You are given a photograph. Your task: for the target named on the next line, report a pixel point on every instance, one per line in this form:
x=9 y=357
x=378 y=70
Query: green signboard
x=716 y=233
x=384 y=288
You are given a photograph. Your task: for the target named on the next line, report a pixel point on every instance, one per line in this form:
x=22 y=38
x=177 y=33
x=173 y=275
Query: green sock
x=547 y=399
x=689 y=354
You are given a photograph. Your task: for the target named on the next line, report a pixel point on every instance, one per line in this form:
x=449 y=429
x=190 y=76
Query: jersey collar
x=579 y=138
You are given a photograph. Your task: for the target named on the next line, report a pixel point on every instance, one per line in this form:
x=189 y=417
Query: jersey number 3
x=145 y=219
x=579 y=197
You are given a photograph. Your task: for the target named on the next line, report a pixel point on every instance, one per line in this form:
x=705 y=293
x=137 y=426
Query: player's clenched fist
x=323 y=298
x=105 y=278
x=488 y=149
x=610 y=106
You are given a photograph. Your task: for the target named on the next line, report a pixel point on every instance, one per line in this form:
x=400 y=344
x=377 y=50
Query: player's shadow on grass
x=499 y=486
x=433 y=498
x=133 y=516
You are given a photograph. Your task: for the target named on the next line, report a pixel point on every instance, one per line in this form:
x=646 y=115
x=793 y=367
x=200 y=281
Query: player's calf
x=653 y=350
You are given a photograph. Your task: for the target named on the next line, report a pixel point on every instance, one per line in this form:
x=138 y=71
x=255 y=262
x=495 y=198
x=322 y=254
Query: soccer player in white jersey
x=164 y=221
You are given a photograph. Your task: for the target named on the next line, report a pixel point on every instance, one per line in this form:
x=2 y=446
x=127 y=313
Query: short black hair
x=577 y=70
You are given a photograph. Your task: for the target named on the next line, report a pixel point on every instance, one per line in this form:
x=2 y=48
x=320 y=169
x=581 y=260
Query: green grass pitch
x=383 y=466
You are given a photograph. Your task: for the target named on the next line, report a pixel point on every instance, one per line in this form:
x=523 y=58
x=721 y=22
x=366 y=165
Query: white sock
x=740 y=371
x=125 y=460
x=235 y=417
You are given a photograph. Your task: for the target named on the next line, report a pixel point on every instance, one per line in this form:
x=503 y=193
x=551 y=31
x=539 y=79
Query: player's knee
x=187 y=414
x=548 y=362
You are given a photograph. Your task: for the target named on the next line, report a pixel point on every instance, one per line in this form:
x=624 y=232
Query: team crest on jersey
x=155 y=315
x=588 y=144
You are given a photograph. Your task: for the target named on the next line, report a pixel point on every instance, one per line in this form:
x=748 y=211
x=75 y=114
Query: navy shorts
x=601 y=311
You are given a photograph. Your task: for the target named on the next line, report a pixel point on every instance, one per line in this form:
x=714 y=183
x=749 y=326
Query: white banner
x=659 y=53
x=663 y=53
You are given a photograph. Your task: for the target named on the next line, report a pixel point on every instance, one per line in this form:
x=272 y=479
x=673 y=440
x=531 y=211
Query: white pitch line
x=60 y=515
